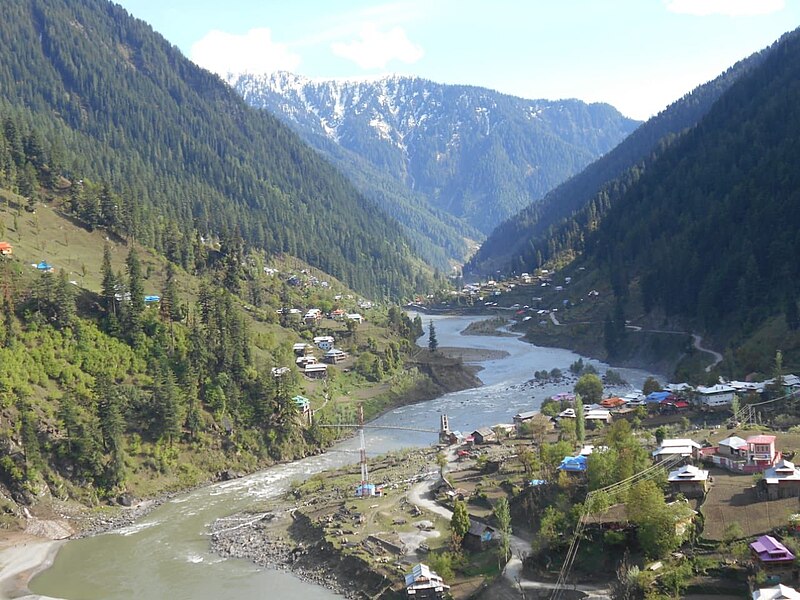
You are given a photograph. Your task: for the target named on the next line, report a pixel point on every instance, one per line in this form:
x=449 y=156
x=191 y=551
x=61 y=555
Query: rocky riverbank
x=289 y=541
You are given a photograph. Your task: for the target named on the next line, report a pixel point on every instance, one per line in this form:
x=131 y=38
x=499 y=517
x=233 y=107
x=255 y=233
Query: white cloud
x=729 y=8
x=375 y=48
x=252 y=52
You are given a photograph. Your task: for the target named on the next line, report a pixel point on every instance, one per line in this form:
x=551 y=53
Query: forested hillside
x=122 y=373
x=558 y=224
x=710 y=227
x=472 y=154
x=703 y=235
x=112 y=100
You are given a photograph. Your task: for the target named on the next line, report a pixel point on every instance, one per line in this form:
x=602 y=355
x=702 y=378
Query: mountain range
x=450 y=162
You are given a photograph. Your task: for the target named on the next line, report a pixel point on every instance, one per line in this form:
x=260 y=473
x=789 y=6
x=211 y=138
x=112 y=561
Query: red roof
x=612 y=402
x=681 y=404
x=5 y=246
x=761 y=439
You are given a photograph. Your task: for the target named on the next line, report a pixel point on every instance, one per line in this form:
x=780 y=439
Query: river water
x=166 y=554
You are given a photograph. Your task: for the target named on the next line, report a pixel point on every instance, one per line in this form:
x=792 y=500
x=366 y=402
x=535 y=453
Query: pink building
x=751 y=455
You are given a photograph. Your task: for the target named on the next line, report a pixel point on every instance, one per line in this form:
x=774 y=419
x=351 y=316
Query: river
x=166 y=554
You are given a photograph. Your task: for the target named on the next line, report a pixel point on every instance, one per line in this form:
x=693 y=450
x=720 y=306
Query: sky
x=637 y=55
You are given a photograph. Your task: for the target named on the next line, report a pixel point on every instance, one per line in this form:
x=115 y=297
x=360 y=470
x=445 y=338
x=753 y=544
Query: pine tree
x=108 y=294
x=30 y=437
x=135 y=305
x=170 y=299
x=64 y=305
x=433 y=343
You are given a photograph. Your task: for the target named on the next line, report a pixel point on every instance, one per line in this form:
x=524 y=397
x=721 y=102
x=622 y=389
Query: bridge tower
x=444 y=429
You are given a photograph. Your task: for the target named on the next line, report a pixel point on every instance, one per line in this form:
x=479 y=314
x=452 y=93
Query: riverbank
x=325 y=535
x=21 y=557
x=23 y=554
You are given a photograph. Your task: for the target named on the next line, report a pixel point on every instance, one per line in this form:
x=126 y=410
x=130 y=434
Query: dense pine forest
x=701 y=234
x=111 y=100
x=555 y=228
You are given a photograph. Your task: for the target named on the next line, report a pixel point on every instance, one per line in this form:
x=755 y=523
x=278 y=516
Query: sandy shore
x=470 y=355
x=21 y=557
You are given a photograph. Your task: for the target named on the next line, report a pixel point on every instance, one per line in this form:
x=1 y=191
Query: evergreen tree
x=433 y=343
x=135 y=305
x=108 y=294
x=65 y=309
x=503 y=516
x=168 y=407
x=30 y=437
x=170 y=299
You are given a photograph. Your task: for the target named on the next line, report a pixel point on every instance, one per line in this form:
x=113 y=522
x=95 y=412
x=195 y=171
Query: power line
x=615 y=488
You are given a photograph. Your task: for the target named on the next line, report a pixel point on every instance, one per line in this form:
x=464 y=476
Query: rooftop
x=770 y=550
x=688 y=473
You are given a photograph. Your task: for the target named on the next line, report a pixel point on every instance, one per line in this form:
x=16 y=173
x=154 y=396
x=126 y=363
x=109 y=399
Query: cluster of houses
x=307 y=361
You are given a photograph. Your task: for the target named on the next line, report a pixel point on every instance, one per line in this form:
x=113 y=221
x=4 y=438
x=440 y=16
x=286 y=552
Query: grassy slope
x=51 y=236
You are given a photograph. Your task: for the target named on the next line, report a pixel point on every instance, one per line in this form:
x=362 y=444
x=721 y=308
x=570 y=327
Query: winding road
x=419 y=495
x=697 y=340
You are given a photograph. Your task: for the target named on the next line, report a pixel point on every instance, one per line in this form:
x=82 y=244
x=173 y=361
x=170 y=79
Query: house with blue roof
x=573 y=464
x=656 y=397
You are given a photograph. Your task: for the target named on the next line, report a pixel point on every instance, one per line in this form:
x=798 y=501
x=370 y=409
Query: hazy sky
x=638 y=55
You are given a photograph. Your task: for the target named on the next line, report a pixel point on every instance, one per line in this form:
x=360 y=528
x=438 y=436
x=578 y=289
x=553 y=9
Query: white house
x=324 y=342
x=334 y=355
x=354 y=317
x=598 y=414
x=716 y=395
x=779 y=592
x=682 y=447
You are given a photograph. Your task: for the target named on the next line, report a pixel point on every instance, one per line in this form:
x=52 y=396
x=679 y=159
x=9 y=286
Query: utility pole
x=363 y=451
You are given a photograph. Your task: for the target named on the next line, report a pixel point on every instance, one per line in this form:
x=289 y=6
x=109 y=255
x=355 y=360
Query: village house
x=484 y=435
x=424 y=584
x=598 y=415
x=683 y=447
x=335 y=356
x=315 y=370
x=524 y=417
x=302 y=361
x=478 y=537
x=779 y=592
x=455 y=438
x=614 y=518
x=714 y=396
x=6 y=249
x=302 y=349
x=279 y=371
x=354 y=317
x=613 y=402
x=752 y=455
x=312 y=316
x=303 y=405
x=324 y=342
x=337 y=314
x=773 y=559
x=567 y=413
x=780 y=481
x=689 y=481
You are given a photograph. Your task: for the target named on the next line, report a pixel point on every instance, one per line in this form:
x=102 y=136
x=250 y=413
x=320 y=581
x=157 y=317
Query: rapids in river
x=166 y=553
